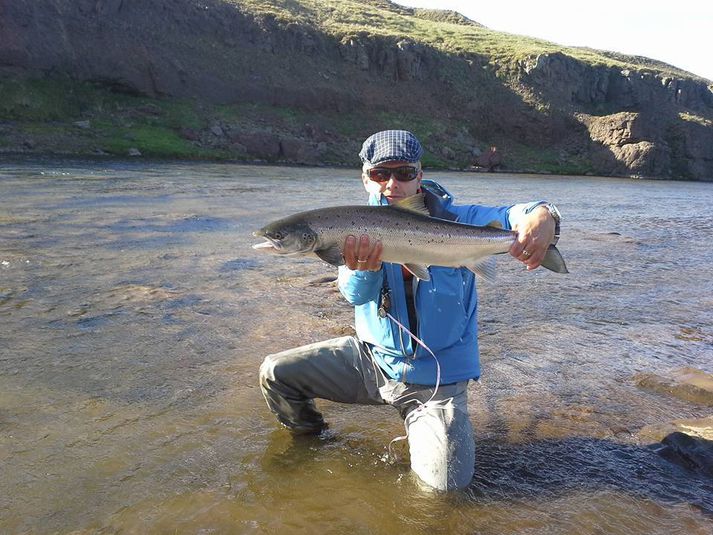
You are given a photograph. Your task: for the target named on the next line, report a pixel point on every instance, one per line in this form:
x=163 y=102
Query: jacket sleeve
x=517 y=211
x=359 y=287
x=507 y=216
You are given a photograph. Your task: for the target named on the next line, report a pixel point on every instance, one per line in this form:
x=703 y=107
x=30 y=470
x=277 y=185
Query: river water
x=134 y=315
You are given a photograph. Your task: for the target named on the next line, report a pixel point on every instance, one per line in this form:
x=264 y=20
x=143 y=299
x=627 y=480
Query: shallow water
x=135 y=315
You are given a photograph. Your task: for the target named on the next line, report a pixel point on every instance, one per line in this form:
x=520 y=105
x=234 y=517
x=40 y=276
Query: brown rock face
x=648 y=138
x=628 y=143
x=567 y=79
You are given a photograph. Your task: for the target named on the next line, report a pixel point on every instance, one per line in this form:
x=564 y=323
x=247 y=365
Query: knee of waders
x=267 y=370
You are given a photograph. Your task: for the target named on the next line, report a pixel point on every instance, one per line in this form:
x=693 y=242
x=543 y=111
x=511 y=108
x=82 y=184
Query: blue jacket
x=446 y=305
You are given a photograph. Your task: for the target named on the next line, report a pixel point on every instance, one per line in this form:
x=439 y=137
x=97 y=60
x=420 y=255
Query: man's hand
x=535 y=232
x=359 y=255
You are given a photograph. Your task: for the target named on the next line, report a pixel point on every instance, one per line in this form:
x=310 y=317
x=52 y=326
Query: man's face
x=393 y=189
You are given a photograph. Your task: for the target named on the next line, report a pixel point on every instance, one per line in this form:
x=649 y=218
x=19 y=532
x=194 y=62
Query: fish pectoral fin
x=331 y=255
x=485 y=268
x=414 y=203
x=419 y=271
x=553 y=261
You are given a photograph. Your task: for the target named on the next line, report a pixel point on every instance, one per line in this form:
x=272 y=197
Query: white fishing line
x=435 y=389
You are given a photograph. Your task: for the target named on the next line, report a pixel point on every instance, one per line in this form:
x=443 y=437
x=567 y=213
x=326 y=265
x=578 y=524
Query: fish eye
x=277 y=235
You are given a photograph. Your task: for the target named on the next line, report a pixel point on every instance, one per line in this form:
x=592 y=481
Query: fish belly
x=447 y=254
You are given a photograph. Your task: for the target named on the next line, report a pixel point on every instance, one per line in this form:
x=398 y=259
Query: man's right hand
x=360 y=255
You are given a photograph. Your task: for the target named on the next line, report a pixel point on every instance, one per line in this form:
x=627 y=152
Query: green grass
x=346 y=19
x=46 y=110
x=157 y=141
x=45 y=100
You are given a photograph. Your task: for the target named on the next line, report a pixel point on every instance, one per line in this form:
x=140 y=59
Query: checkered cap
x=391 y=146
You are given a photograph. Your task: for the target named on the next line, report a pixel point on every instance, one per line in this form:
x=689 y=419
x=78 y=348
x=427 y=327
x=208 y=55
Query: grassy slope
x=41 y=114
x=345 y=18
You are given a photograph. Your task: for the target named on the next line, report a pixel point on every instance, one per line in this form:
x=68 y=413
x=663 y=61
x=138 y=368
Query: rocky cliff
x=371 y=65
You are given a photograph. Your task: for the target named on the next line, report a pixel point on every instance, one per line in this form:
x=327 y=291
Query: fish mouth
x=272 y=246
x=265 y=245
x=269 y=244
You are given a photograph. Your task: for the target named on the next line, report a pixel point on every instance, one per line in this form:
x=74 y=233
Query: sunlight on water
x=135 y=315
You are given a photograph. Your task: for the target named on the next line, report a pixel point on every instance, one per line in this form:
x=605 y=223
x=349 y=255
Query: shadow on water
x=558 y=467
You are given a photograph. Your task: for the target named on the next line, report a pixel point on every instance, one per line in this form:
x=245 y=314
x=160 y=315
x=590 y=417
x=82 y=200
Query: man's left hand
x=535 y=233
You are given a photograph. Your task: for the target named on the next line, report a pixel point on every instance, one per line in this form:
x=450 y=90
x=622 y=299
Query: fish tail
x=553 y=261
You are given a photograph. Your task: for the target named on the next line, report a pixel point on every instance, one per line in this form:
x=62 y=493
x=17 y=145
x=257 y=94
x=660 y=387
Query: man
x=383 y=364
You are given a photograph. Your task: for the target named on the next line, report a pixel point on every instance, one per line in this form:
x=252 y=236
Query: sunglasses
x=405 y=173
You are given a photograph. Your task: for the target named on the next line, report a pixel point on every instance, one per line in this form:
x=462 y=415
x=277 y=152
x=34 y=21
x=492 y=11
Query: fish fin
x=414 y=203
x=495 y=224
x=485 y=267
x=553 y=261
x=331 y=255
x=419 y=271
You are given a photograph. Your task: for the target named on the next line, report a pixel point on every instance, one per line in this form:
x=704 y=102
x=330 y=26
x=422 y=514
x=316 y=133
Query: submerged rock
x=688 y=384
x=693 y=453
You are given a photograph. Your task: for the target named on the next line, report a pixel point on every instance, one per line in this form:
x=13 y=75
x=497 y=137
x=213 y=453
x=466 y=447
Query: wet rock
x=688 y=384
x=693 y=453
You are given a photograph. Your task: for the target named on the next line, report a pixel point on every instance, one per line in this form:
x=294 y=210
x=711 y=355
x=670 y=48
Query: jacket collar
x=437 y=199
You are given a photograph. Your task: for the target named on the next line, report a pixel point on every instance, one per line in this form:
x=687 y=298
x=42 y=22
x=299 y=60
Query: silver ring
x=361 y=261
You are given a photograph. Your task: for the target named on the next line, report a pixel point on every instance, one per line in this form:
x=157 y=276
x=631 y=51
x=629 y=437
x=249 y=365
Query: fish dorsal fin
x=331 y=255
x=495 y=224
x=485 y=267
x=414 y=203
x=419 y=271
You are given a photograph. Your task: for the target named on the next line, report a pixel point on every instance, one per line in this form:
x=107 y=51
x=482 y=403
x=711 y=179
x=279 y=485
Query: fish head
x=287 y=236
